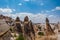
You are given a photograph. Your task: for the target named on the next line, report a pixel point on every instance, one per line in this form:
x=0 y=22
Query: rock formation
x=18 y=27
x=32 y=30
x=5 y=33
x=49 y=30
x=27 y=31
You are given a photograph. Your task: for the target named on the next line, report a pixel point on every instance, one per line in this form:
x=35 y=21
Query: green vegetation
x=20 y=37
x=15 y=35
x=10 y=29
x=41 y=33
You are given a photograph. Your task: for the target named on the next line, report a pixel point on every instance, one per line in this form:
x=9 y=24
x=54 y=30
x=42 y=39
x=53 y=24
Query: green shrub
x=20 y=37
x=11 y=29
x=15 y=35
x=41 y=33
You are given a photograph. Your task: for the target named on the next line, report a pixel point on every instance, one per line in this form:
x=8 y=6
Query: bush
x=20 y=37
x=41 y=33
x=15 y=35
x=11 y=29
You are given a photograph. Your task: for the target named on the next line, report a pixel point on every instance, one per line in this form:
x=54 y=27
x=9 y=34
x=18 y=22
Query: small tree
x=20 y=37
x=41 y=33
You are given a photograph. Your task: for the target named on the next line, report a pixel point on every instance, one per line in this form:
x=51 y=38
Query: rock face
x=18 y=27
x=32 y=30
x=5 y=36
x=26 y=26
x=4 y=30
x=49 y=30
x=28 y=29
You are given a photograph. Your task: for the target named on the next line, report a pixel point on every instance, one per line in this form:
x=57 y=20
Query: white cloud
x=41 y=4
x=26 y=0
x=13 y=9
x=20 y=4
x=36 y=18
x=52 y=10
x=57 y=8
x=51 y=15
x=29 y=0
x=47 y=11
x=6 y=11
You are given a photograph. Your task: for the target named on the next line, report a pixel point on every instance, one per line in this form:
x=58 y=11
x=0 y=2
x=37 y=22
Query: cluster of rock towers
x=26 y=27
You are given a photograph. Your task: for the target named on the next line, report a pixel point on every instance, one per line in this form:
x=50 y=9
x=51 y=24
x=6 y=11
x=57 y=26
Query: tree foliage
x=20 y=37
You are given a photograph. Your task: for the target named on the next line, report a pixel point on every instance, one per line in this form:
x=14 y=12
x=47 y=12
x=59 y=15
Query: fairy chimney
x=27 y=31
x=18 y=25
x=26 y=24
x=49 y=30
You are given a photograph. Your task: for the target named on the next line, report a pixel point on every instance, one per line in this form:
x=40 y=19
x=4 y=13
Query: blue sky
x=35 y=9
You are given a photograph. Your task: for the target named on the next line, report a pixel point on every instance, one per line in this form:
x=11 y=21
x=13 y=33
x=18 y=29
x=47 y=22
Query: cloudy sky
x=36 y=10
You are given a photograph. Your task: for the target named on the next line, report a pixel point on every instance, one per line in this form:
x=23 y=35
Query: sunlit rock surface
x=4 y=30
